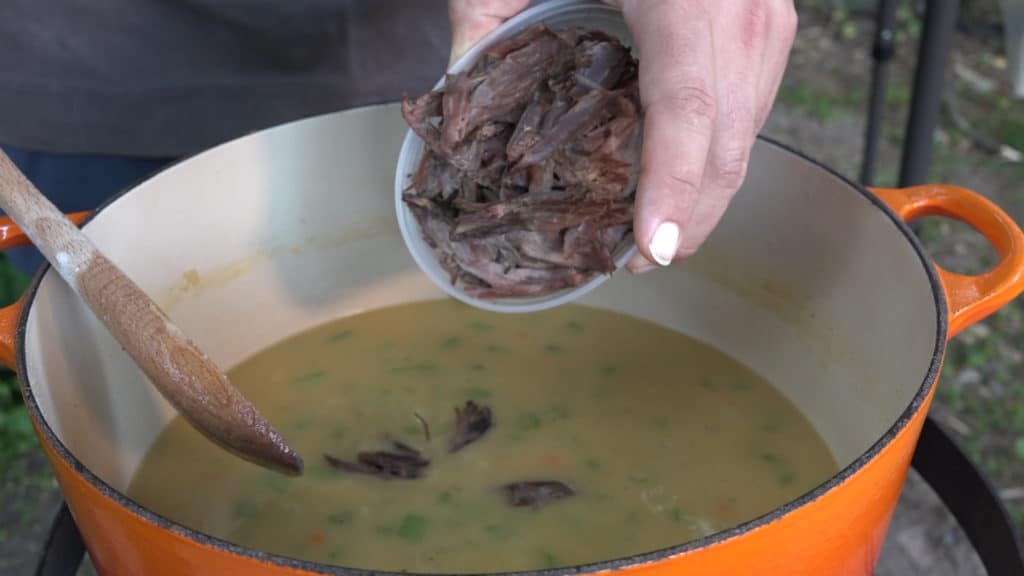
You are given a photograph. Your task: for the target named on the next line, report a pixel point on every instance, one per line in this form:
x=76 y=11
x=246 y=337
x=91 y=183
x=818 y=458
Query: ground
x=820 y=110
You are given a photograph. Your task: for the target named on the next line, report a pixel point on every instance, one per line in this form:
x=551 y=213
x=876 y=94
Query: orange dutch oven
x=811 y=280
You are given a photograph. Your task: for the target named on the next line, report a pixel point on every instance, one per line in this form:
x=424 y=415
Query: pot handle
x=970 y=298
x=12 y=236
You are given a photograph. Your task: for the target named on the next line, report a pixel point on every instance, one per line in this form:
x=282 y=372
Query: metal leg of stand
x=972 y=499
x=64 y=549
x=937 y=36
x=882 y=52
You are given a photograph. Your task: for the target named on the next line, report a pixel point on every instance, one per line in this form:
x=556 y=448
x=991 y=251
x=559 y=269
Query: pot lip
x=653 y=556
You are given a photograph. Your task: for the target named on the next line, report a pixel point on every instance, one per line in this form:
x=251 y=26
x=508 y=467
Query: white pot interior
x=805 y=280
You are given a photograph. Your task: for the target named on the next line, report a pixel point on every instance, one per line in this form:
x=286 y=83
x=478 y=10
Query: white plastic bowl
x=555 y=14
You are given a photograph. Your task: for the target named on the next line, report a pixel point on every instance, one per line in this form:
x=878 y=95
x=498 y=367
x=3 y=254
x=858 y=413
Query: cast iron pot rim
x=655 y=556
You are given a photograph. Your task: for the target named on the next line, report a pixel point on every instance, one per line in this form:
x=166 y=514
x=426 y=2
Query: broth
x=661 y=438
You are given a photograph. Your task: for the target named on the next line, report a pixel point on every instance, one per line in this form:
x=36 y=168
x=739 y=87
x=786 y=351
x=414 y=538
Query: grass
x=823 y=104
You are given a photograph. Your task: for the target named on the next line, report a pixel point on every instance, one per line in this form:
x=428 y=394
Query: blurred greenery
x=16 y=433
x=822 y=104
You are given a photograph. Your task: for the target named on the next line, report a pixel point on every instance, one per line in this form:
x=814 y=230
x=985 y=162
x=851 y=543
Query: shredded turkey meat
x=527 y=183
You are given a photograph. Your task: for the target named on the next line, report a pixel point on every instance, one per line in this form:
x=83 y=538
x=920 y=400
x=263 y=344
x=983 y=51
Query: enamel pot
x=811 y=280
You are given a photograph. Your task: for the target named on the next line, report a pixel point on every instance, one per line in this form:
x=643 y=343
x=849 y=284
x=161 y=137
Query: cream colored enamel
x=804 y=281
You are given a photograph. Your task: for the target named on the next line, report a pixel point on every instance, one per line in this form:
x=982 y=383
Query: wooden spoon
x=185 y=376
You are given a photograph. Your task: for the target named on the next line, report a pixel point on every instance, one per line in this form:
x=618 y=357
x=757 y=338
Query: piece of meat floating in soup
x=536 y=493
x=472 y=421
x=404 y=462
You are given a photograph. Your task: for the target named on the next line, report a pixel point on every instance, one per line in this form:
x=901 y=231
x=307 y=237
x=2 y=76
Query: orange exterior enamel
x=8 y=329
x=105 y=525
x=11 y=236
x=838 y=533
x=970 y=298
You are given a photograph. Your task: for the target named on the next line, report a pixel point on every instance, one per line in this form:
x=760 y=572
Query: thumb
x=471 y=20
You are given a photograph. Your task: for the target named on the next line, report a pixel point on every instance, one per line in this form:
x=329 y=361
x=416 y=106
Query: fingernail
x=642 y=268
x=665 y=242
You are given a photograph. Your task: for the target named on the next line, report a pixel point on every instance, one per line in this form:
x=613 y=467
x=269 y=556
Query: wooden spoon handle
x=183 y=374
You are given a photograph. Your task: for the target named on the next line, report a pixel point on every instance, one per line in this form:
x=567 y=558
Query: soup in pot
x=442 y=438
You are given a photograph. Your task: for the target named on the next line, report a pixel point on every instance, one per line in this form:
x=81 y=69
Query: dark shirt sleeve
x=171 y=77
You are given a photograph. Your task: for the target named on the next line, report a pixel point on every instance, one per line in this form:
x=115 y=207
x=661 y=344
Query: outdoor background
x=820 y=110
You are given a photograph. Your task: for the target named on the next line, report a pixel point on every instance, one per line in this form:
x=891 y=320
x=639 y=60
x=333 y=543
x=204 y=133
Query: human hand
x=709 y=73
x=471 y=20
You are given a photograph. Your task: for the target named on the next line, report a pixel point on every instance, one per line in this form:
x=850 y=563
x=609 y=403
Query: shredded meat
x=536 y=494
x=404 y=462
x=471 y=423
x=529 y=175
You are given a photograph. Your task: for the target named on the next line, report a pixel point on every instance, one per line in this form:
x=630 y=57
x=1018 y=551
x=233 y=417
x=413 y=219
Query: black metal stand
x=958 y=482
x=937 y=36
x=882 y=52
x=64 y=549
x=971 y=498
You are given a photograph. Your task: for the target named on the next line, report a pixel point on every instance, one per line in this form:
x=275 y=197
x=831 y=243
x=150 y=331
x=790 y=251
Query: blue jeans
x=75 y=183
